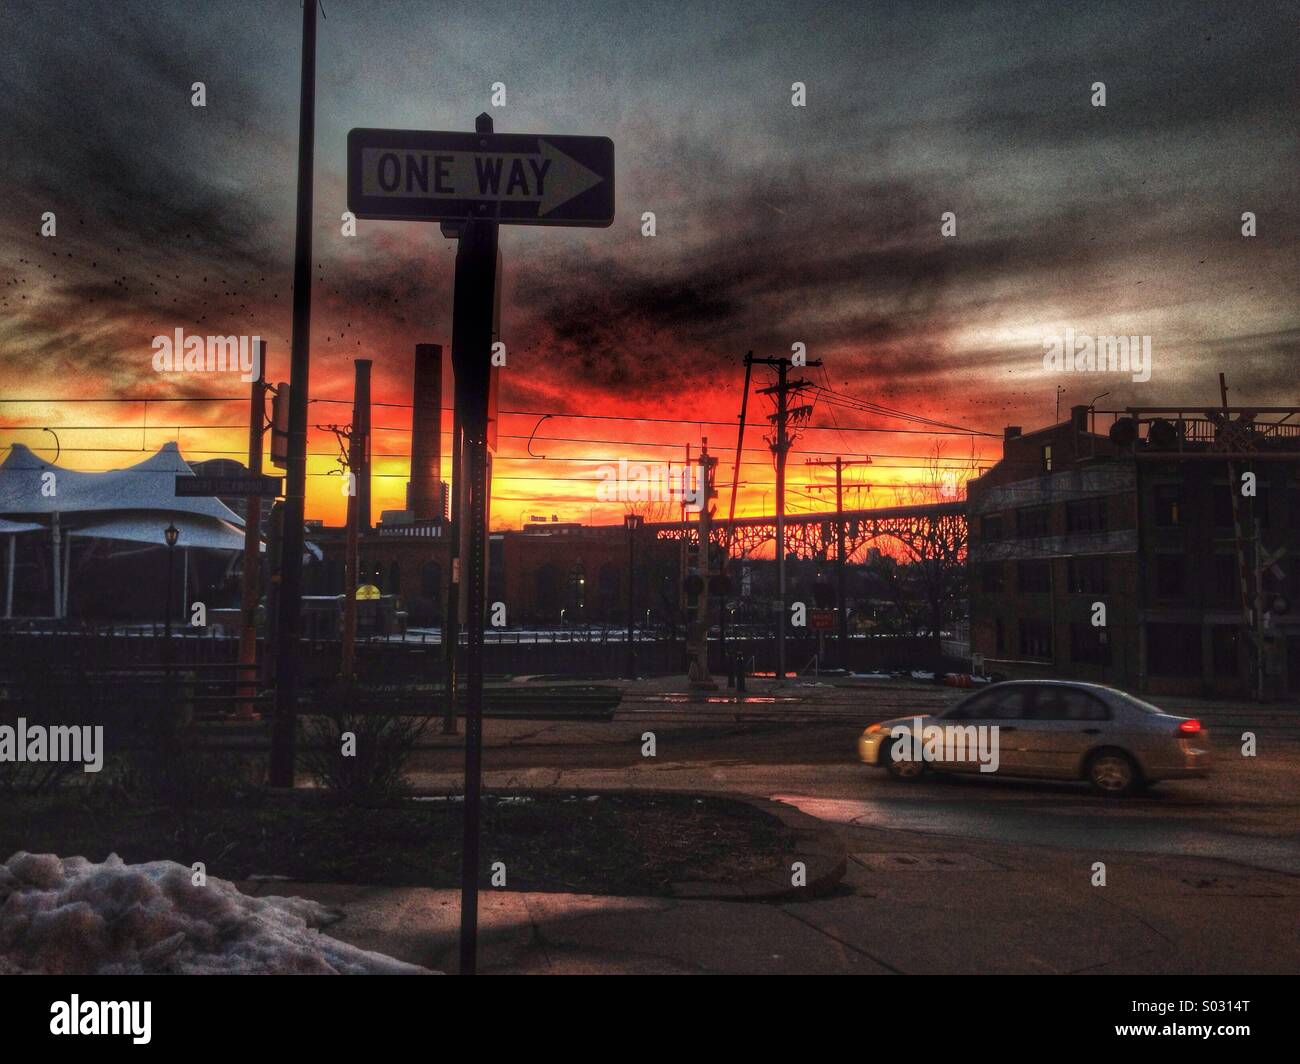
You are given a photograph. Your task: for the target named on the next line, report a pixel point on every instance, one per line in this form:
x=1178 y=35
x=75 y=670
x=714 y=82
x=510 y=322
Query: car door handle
x=1091 y=731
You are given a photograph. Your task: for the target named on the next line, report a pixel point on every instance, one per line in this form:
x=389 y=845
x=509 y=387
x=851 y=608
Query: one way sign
x=518 y=178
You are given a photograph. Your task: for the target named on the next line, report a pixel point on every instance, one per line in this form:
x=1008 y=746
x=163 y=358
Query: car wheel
x=908 y=769
x=1114 y=774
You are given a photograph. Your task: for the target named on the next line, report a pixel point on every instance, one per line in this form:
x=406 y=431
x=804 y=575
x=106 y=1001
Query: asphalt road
x=1247 y=813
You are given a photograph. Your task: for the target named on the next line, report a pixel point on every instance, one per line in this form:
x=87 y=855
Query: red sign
x=823 y=620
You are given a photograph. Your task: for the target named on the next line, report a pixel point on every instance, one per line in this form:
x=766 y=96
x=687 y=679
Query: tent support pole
x=58 y=591
x=67 y=569
x=9 y=578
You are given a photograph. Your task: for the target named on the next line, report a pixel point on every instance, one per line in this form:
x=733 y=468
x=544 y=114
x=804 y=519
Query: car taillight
x=1190 y=727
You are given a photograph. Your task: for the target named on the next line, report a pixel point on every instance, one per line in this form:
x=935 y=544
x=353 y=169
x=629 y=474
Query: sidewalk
x=908 y=904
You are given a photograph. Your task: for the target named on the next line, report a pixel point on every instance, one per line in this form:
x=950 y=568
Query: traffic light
x=280 y=426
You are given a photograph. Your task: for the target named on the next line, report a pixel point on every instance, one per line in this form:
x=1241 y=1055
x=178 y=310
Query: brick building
x=545 y=574
x=1070 y=528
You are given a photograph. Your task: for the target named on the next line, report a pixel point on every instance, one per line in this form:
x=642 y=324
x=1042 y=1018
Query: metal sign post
x=471 y=346
x=473 y=183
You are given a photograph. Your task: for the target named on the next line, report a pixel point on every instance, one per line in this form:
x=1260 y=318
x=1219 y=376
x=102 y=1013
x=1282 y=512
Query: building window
x=1246 y=506
x=1168 y=499
x=1032 y=523
x=431 y=581
x=1033 y=577
x=999 y=636
x=991 y=527
x=1171 y=576
x=991 y=577
x=1222 y=494
x=1173 y=649
x=1089 y=645
x=1047 y=458
x=1086 y=576
x=1085 y=515
x=1035 y=638
x=1224 y=642
x=1225 y=580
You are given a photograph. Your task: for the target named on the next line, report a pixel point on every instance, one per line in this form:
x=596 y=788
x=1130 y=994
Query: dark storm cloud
x=1181 y=70
x=776 y=224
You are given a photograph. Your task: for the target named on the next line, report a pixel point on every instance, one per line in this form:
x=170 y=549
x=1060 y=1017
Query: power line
x=539 y=413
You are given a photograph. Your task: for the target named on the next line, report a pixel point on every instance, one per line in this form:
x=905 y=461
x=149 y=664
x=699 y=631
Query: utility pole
x=295 y=491
x=250 y=588
x=735 y=488
x=781 y=443
x=358 y=451
x=840 y=552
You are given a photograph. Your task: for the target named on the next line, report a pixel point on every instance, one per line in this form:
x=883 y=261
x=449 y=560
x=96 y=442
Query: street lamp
x=632 y=523
x=171 y=534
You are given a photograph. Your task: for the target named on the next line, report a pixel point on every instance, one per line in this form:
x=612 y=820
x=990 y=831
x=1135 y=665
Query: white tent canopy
x=148 y=528
x=134 y=505
x=25 y=489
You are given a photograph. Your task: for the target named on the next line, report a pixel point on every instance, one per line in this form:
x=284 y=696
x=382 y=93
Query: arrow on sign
x=547 y=176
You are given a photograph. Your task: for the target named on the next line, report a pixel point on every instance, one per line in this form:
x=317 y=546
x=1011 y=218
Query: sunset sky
x=775 y=224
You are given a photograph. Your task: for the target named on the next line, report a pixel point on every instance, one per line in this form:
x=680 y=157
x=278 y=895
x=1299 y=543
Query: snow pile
x=72 y=916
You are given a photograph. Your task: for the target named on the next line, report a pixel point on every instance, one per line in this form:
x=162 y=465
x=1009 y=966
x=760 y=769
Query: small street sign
x=191 y=487
x=512 y=178
x=821 y=620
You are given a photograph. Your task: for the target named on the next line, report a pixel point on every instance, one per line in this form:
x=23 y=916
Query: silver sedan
x=1046 y=729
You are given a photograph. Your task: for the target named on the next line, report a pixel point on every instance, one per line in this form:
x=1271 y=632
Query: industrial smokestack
x=361 y=426
x=424 y=496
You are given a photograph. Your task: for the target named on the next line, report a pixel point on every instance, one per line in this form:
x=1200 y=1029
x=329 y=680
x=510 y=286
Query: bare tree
x=938 y=549
x=654 y=511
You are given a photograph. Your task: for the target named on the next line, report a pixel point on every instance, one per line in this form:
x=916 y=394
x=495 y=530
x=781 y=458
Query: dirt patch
x=548 y=841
